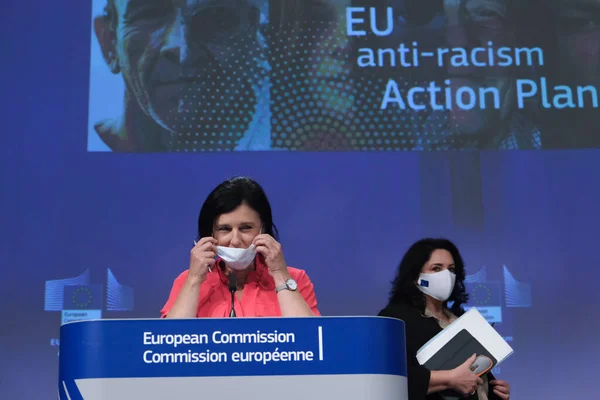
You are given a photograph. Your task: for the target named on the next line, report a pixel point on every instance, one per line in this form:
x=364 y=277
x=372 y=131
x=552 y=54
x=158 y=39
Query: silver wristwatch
x=290 y=284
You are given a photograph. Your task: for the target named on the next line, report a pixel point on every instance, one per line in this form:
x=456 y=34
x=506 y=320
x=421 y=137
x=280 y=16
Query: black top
x=419 y=330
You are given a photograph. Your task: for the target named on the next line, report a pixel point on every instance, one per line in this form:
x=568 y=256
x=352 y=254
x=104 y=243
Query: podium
x=350 y=358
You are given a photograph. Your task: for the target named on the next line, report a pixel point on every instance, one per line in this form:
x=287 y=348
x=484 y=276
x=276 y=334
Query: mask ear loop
x=262 y=230
x=212 y=234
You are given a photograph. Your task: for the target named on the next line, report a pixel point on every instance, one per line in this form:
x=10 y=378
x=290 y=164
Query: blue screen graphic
x=89 y=233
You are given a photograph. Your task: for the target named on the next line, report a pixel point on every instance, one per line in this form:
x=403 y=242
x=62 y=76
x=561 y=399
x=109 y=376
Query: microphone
x=232 y=289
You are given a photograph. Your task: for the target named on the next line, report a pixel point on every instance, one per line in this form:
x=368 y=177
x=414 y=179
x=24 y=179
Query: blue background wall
x=346 y=218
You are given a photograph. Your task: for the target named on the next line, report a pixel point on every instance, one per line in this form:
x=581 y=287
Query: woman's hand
x=464 y=380
x=202 y=257
x=501 y=388
x=270 y=249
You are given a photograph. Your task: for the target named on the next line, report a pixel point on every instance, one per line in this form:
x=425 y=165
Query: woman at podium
x=425 y=312
x=237 y=266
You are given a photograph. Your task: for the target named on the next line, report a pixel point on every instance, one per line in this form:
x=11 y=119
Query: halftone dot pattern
x=322 y=101
x=312 y=92
x=312 y=89
x=393 y=128
x=216 y=108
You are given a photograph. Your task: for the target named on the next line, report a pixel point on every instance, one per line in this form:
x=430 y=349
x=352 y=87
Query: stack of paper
x=470 y=334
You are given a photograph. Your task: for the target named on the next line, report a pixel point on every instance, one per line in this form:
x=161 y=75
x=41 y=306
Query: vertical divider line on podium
x=320 y=343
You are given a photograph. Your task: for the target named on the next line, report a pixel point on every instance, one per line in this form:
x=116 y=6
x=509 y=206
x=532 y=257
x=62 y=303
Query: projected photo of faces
x=342 y=75
x=194 y=76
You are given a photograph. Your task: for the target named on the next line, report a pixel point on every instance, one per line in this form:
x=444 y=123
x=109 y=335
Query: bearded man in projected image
x=237 y=267
x=430 y=277
x=195 y=74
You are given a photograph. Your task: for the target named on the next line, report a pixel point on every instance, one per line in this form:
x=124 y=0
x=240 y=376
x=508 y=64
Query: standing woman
x=425 y=312
x=237 y=251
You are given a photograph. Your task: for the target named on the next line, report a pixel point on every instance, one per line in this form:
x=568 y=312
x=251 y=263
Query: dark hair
x=404 y=289
x=228 y=196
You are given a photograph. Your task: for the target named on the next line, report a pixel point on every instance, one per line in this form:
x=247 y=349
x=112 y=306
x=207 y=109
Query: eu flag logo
x=424 y=283
x=83 y=297
x=484 y=294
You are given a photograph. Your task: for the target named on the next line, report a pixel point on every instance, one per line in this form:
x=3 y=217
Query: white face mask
x=235 y=258
x=438 y=285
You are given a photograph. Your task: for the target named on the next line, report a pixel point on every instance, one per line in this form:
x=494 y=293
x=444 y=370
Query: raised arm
x=300 y=302
x=183 y=300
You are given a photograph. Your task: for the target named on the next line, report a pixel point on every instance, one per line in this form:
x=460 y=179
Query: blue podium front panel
x=262 y=358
